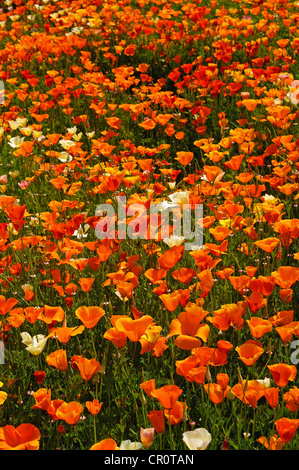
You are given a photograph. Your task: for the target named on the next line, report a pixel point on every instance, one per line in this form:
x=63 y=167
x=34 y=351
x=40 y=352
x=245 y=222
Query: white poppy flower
x=174 y=240
x=128 y=445
x=180 y=197
x=198 y=439
x=34 y=345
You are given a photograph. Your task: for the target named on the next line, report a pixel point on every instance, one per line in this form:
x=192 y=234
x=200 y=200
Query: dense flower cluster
x=115 y=336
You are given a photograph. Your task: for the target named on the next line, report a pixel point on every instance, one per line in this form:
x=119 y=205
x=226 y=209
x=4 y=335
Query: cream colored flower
x=198 y=439
x=180 y=197
x=174 y=240
x=34 y=345
x=128 y=445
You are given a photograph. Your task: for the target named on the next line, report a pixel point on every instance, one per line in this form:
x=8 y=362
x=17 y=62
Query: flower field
x=124 y=331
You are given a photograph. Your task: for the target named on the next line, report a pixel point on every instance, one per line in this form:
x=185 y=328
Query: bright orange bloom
x=256 y=301
x=282 y=373
x=86 y=283
x=259 y=326
x=268 y=244
x=51 y=314
x=170 y=257
x=215 y=392
x=6 y=305
x=184 y=157
x=291 y=397
x=156 y=418
x=105 y=444
x=58 y=359
x=184 y=275
x=167 y=395
x=286 y=276
x=148 y=386
x=89 y=316
x=272 y=396
x=24 y=437
x=286 y=295
x=275 y=442
x=250 y=351
x=118 y=338
x=197 y=374
x=94 y=407
x=189 y=323
x=220 y=233
x=87 y=367
x=42 y=399
x=171 y=301
x=286 y=428
x=133 y=329
x=55 y=404
x=70 y=412
x=249 y=391
x=176 y=414
x=155 y=275
x=64 y=333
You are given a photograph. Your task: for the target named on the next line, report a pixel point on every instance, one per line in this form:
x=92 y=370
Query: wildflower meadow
x=149 y=225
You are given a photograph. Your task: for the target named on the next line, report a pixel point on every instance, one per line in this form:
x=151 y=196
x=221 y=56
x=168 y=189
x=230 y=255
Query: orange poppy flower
x=291 y=397
x=286 y=276
x=117 y=337
x=87 y=367
x=272 y=396
x=171 y=301
x=70 y=412
x=282 y=373
x=176 y=414
x=220 y=233
x=133 y=329
x=259 y=326
x=89 y=316
x=189 y=323
x=167 y=395
x=155 y=275
x=286 y=295
x=187 y=342
x=55 y=404
x=148 y=386
x=285 y=332
x=42 y=399
x=58 y=359
x=64 y=333
x=94 y=407
x=24 y=437
x=170 y=257
x=51 y=314
x=197 y=374
x=268 y=244
x=249 y=391
x=250 y=351
x=256 y=301
x=184 y=275
x=282 y=318
x=156 y=418
x=6 y=305
x=286 y=428
x=275 y=442
x=86 y=283
x=184 y=157
x=105 y=444
x=185 y=365
x=215 y=392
